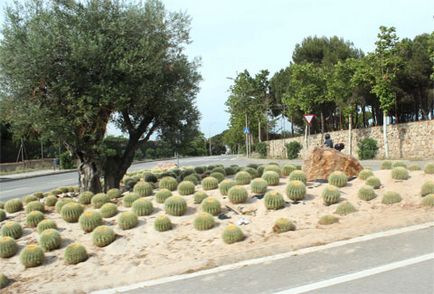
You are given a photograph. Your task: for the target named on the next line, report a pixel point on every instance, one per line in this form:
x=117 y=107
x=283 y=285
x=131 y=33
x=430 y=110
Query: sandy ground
x=142 y=253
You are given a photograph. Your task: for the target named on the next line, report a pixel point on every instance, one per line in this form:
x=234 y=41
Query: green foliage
x=89 y=220
x=103 y=236
x=4 y=281
x=162 y=195
x=71 y=212
x=243 y=178
x=328 y=220
x=66 y=160
x=12 y=229
x=75 y=253
x=428 y=200
x=414 y=167
x=271 y=177
x=238 y=194
x=143 y=189
x=296 y=190
x=391 y=197
x=211 y=206
x=209 y=183
x=287 y=169
x=162 y=223
x=199 y=197
x=32 y=256
x=283 y=225
x=330 y=195
x=258 y=186
x=29 y=198
x=2 y=205
x=108 y=210
x=232 y=234
x=293 y=149
x=127 y=220
x=50 y=200
x=168 y=183
x=34 y=206
x=400 y=173
x=399 y=163
x=186 y=188
x=2 y=215
x=114 y=193
x=427 y=188
x=85 y=197
x=142 y=207
x=99 y=200
x=274 y=200
x=386 y=164
x=429 y=169
x=298 y=175
x=225 y=185
x=8 y=247
x=50 y=239
x=175 y=205
x=13 y=205
x=365 y=173
x=338 y=179
x=34 y=218
x=374 y=182
x=345 y=208
x=219 y=176
x=366 y=193
x=261 y=148
x=204 y=221
x=129 y=198
x=45 y=225
x=367 y=148
x=150 y=178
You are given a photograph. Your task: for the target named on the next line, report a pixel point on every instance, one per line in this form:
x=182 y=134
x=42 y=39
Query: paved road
x=401 y=263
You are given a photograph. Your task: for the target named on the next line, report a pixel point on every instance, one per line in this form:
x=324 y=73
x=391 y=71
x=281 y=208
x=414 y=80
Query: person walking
x=328 y=141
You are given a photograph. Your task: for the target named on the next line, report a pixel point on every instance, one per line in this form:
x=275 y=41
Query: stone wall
x=413 y=140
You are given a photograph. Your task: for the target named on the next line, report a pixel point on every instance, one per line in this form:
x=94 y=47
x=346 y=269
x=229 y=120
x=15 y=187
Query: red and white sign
x=309 y=118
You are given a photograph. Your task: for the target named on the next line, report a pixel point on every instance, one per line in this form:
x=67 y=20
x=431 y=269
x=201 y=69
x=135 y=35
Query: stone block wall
x=413 y=140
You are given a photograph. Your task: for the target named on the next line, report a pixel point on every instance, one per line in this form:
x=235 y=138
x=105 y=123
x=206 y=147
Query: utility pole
x=247 y=138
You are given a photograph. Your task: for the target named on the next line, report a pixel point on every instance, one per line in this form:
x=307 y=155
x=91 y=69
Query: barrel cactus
x=85 y=197
x=338 y=179
x=345 y=208
x=55 y=192
x=142 y=207
x=204 y=221
x=374 y=182
x=99 y=200
x=211 y=206
x=210 y=183
x=199 y=197
x=75 y=253
x=50 y=239
x=225 y=185
x=366 y=193
x=103 y=236
x=32 y=256
x=427 y=188
x=283 y=225
x=295 y=190
x=2 y=205
x=186 y=188
x=238 y=194
x=71 y=212
x=143 y=189
x=34 y=218
x=365 y=173
x=194 y=178
x=253 y=172
x=89 y=220
x=260 y=170
x=330 y=195
x=229 y=170
x=34 y=206
x=219 y=169
x=400 y=173
x=4 y=281
x=219 y=176
x=298 y=175
x=50 y=200
x=199 y=169
x=429 y=169
x=162 y=195
x=386 y=164
x=12 y=229
x=129 y=198
x=259 y=186
x=399 y=164
x=414 y=167
x=328 y=220
x=29 y=198
x=168 y=183
x=175 y=205
x=127 y=220
x=274 y=168
x=243 y=178
x=62 y=202
x=271 y=177
x=162 y=223
x=45 y=225
x=287 y=169
x=114 y=193
x=232 y=234
x=13 y=205
x=274 y=200
x=150 y=177
x=108 y=210
x=391 y=197
x=428 y=200
x=8 y=247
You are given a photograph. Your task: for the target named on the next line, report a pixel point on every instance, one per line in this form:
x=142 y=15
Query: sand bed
x=142 y=253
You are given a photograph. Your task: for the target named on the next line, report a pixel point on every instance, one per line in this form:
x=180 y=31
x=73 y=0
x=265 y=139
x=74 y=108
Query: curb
x=3 y=180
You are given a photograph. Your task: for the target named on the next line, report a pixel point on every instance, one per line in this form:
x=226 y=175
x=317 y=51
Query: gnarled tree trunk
x=89 y=176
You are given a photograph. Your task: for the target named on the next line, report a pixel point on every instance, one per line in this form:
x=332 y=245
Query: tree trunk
x=259 y=131
x=89 y=177
x=322 y=127
x=350 y=135
x=386 y=145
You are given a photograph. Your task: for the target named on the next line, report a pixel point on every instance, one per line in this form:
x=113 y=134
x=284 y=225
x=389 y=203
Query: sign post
x=308 y=118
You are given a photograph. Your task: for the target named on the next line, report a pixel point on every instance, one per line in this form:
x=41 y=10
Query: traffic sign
x=246 y=130
x=309 y=118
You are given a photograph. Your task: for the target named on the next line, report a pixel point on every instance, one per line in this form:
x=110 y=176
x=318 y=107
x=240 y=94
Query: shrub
x=399 y=164
x=219 y=176
x=259 y=186
x=211 y=206
x=429 y=168
x=175 y=205
x=2 y=215
x=287 y=169
x=12 y=229
x=50 y=200
x=4 y=281
x=99 y=200
x=338 y=179
x=29 y=198
x=204 y=221
x=85 y=197
x=386 y=164
x=261 y=148
x=45 y=225
x=8 y=247
x=298 y=175
x=199 y=197
x=283 y=225
x=168 y=183
x=345 y=208
x=390 y=197
x=34 y=218
x=243 y=178
x=35 y=206
x=186 y=188
x=400 y=173
x=50 y=239
x=274 y=200
x=414 y=167
x=328 y=220
x=272 y=178
x=427 y=188
x=162 y=223
x=66 y=160
x=103 y=236
x=330 y=195
x=89 y=220
x=295 y=190
x=71 y=212
x=108 y=210
x=367 y=148
x=32 y=256
x=293 y=149
x=142 y=207
x=238 y=194
x=225 y=185
x=210 y=183
x=428 y=200
x=365 y=173
x=366 y=193
x=374 y=182
x=114 y=193
x=13 y=205
x=232 y=234
x=75 y=253
x=129 y=198
x=127 y=220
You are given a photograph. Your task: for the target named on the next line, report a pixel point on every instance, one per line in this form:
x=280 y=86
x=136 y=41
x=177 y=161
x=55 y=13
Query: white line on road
x=358 y=275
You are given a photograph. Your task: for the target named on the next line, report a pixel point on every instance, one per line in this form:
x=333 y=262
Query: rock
x=323 y=161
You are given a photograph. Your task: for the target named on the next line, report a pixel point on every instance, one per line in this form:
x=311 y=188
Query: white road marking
x=263 y=259
x=358 y=275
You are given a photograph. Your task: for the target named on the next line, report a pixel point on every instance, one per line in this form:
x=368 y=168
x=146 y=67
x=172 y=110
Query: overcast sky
x=233 y=35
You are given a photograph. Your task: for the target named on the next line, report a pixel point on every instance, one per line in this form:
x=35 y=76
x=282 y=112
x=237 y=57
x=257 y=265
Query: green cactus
x=85 y=197
x=150 y=178
x=298 y=175
x=259 y=186
x=103 y=236
x=127 y=220
x=2 y=215
x=229 y=170
x=253 y=172
x=399 y=164
x=38 y=195
x=219 y=170
x=210 y=183
x=400 y=173
x=168 y=183
x=45 y=225
x=274 y=200
x=34 y=218
x=34 y=206
x=243 y=178
x=199 y=169
x=271 y=177
x=429 y=169
x=225 y=185
x=129 y=198
x=162 y=223
x=204 y=221
x=192 y=178
x=414 y=167
x=232 y=234
x=13 y=205
x=211 y=206
x=4 y=281
x=12 y=229
x=63 y=189
x=218 y=176
x=274 y=168
x=365 y=173
x=366 y=193
x=175 y=205
x=143 y=189
x=338 y=179
x=162 y=195
x=2 y=205
x=199 y=197
x=260 y=170
x=391 y=197
x=99 y=200
x=71 y=212
x=50 y=239
x=75 y=253
x=427 y=188
x=89 y=220
x=328 y=220
x=345 y=208
x=29 y=198
x=50 y=200
x=330 y=195
x=108 y=210
x=386 y=164
x=374 y=182
x=238 y=194
x=287 y=169
x=283 y=225
x=142 y=207
x=428 y=200
x=114 y=193
x=61 y=202
x=55 y=192
x=8 y=247
x=295 y=190
x=32 y=256
x=186 y=188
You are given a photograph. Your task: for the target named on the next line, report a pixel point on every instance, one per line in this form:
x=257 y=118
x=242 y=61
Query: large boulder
x=323 y=161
